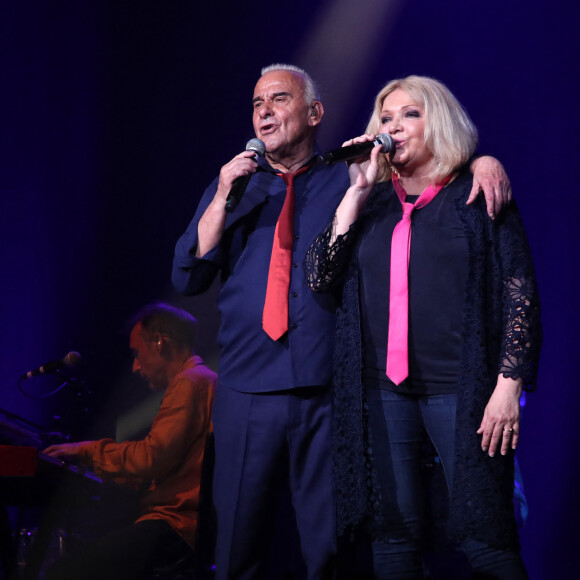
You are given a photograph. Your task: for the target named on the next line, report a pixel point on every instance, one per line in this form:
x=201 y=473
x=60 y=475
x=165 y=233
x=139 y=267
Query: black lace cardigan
x=502 y=335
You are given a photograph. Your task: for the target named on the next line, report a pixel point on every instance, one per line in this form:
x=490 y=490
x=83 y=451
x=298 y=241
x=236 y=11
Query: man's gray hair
x=311 y=92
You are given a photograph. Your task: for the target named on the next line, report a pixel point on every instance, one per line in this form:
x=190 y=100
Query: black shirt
x=437 y=276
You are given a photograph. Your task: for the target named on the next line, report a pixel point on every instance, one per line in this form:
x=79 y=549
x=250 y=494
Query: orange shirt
x=170 y=457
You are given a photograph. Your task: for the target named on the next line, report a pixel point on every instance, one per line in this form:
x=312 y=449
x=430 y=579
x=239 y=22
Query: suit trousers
x=266 y=443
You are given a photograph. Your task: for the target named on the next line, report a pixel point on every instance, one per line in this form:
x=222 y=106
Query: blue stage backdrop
x=116 y=115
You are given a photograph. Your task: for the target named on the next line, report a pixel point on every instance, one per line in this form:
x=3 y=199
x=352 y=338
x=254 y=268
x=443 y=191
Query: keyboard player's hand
x=68 y=451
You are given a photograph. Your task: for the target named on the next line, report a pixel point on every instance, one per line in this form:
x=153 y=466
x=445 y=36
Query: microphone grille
x=386 y=141
x=256 y=146
x=72 y=359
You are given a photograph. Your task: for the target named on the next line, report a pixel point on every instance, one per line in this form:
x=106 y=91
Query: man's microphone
x=71 y=360
x=356 y=150
x=239 y=185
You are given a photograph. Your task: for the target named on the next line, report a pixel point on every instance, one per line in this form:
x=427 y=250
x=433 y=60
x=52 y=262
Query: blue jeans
x=397 y=424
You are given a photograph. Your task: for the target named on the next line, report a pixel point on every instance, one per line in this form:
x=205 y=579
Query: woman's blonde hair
x=450 y=134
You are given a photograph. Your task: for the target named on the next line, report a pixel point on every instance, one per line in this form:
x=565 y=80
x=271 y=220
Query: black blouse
x=437 y=275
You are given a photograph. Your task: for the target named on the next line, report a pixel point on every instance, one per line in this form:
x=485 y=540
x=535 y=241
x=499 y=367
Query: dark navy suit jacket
x=251 y=361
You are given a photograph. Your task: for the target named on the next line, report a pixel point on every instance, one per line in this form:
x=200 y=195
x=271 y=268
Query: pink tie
x=398 y=339
x=275 y=314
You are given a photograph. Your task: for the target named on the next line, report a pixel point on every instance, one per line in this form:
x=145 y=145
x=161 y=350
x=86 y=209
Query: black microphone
x=356 y=150
x=239 y=185
x=71 y=360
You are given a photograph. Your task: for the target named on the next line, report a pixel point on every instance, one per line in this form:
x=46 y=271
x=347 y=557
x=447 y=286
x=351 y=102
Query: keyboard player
x=166 y=464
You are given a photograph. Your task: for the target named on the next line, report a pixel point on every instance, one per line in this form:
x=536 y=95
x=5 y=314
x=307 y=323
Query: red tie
x=275 y=315
x=398 y=340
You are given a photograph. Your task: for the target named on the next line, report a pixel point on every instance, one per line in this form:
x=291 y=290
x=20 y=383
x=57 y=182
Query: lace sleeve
x=521 y=307
x=325 y=264
x=520 y=335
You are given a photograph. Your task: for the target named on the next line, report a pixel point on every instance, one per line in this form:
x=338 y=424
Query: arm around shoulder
x=490 y=177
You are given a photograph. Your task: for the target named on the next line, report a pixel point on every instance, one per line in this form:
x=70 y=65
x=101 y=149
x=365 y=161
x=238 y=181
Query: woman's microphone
x=356 y=150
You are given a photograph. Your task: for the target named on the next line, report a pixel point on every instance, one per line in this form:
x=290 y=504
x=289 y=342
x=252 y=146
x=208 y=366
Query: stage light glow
x=337 y=55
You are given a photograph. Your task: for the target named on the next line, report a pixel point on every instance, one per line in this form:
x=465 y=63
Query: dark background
x=116 y=115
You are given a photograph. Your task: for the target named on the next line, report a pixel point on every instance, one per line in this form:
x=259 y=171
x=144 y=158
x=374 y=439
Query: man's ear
x=158 y=340
x=315 y=113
